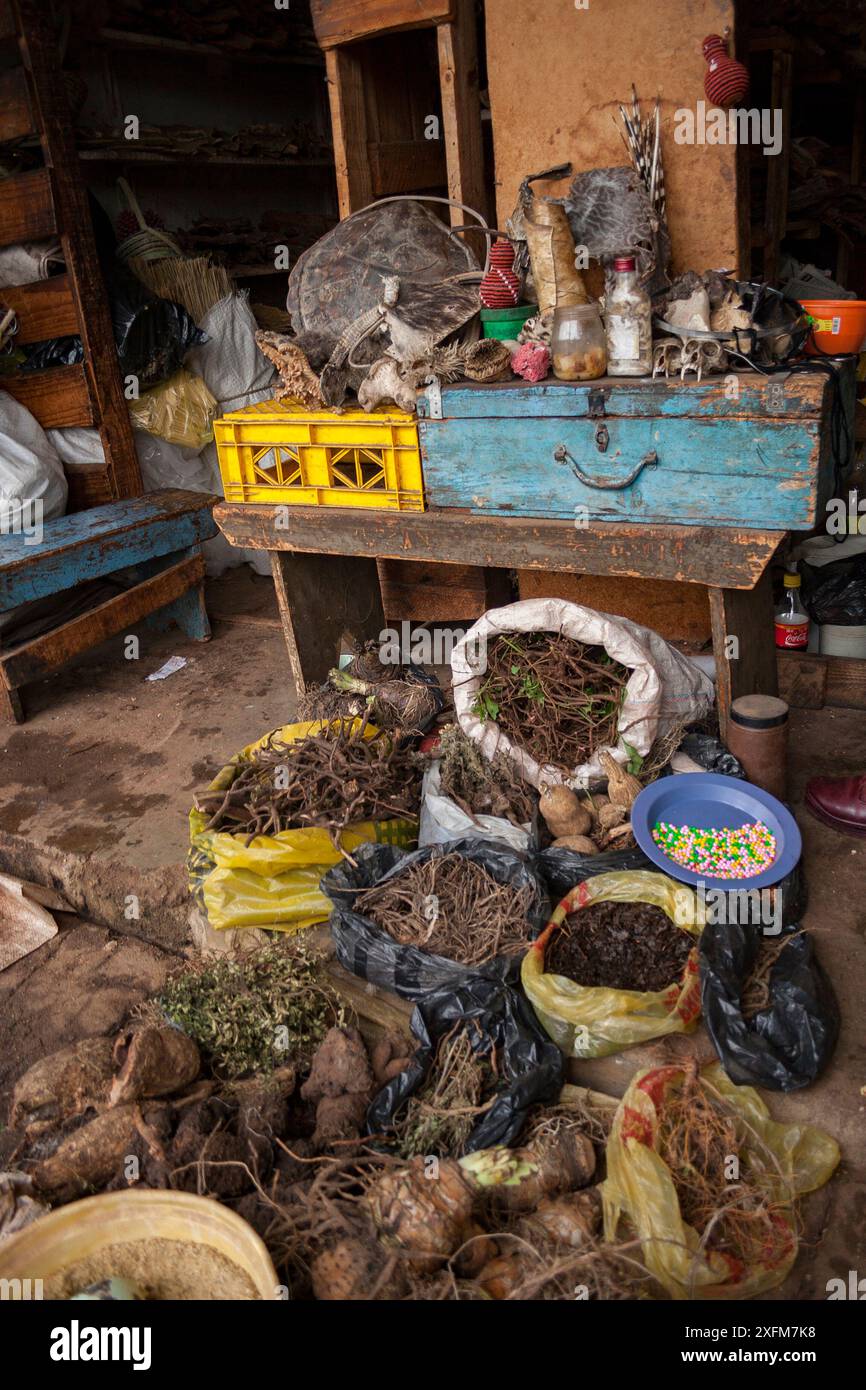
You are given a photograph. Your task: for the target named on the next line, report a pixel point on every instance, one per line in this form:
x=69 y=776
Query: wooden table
x=324 y=567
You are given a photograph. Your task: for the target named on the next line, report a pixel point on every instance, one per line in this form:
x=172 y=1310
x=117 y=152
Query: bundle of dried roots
x=331 y=779
x=452 y=906
x=729 y=1184
x=554 y=697
x=755 y=995
x=439 y=1118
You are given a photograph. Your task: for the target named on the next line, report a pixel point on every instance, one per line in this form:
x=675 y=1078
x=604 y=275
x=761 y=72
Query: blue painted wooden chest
x=742 y=450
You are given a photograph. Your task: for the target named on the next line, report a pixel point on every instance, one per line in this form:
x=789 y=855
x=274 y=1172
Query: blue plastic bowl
x=710 y=800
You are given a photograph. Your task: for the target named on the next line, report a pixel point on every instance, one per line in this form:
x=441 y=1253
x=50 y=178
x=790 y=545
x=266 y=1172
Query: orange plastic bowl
x=840 y=325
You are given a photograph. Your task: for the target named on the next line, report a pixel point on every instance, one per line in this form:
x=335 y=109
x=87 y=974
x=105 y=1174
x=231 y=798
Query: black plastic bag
x=788 y=1044
x=370 y=953
x=836 y=593
x=710 y=754
x=152 y=335
x=563 y=869
x=532 y=1066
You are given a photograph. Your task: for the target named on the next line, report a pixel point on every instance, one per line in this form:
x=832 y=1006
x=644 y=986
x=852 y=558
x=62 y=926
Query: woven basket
x=148 y=244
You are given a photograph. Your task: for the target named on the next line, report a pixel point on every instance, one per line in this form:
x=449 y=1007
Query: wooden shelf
x=135 y=43
x=160 y=157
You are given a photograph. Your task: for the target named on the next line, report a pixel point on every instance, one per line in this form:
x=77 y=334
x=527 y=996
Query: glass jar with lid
x=577 y=344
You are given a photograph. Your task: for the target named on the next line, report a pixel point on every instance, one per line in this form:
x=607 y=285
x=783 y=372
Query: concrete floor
x=95 y=789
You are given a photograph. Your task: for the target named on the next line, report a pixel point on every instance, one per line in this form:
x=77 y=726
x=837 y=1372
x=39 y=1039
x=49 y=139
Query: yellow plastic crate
x=279 y=452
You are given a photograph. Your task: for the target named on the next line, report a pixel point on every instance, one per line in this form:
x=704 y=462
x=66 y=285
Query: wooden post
x=54 y=127
x=743 y=643
x=349 y=123
x=320 y=599
x=461 y=111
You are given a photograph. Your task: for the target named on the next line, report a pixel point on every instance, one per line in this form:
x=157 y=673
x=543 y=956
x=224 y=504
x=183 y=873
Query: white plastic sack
x=27 y=261
x=230 y=362
x=664 y=688
x=442 y=819
x=30 y=468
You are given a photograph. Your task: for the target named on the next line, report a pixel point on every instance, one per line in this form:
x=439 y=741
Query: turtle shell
x=342 y=275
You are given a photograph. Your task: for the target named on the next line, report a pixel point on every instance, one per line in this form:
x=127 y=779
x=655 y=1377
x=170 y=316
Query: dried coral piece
x=299 y=381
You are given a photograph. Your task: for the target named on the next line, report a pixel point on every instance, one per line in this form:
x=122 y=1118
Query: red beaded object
x=726 y=81
x=500 y=288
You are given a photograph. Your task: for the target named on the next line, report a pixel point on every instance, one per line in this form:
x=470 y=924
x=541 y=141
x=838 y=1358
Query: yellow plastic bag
x=593 y=1022
x=273 y=883
x=180 y=410
x=639 y=1190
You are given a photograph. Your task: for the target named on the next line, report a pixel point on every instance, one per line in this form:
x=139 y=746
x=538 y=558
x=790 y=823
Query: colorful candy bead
x=731 y=852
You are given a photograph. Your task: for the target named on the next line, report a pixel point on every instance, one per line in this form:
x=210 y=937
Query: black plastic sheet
x=152 y=335
x=497 y=1017
x=788 y=1044
x=370 y=953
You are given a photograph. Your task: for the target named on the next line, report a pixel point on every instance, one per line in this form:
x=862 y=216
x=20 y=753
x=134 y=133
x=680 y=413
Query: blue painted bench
x=158 y=536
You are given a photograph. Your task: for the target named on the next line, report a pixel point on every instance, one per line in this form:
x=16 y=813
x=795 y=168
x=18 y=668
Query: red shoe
x=839 y=802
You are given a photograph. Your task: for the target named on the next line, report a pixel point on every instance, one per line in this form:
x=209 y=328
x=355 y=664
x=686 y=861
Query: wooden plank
x=800 y=396
x=58 y=396
x=802 y=679
x=461 y=111
x=44 y=309
x=743 y=644
x=425 y=593
x=778 y=166
x=53 y=649
x=89 y=544
x=405 y=166
x=846 y=682
x=678 y=612
x=26 y=208
x=16 y=119
x=345 y=21
x=89 y=486
x=349 y=127
x=55 y=127
x=690 y=554
x=320 y=600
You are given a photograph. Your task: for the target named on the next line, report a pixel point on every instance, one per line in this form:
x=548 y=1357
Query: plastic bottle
x=792 y=620
x=628 y=323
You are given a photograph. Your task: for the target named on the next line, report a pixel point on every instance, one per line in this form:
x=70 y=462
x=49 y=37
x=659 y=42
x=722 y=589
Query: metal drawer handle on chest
x=561 y=455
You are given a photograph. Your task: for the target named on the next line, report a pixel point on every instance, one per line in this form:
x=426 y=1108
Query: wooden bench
x=159 y=535
x=324 y=568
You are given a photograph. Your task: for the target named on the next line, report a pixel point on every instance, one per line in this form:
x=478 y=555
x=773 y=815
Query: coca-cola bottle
x=792 y=620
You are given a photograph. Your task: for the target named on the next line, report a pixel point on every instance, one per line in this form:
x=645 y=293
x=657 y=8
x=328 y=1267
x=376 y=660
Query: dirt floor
x=127 y=754
x=96 y=786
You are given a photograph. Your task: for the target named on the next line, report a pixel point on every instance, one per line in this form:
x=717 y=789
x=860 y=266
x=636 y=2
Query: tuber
x=580 y=844
x=518 y=1179
x=90 y=1156
x=153 y=1062
x=352 y=1270
x=63 y=1084
x=501 y=1277
x=622 y=787
x=423 y=1210
x=571 y=1219
x=563 y=813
